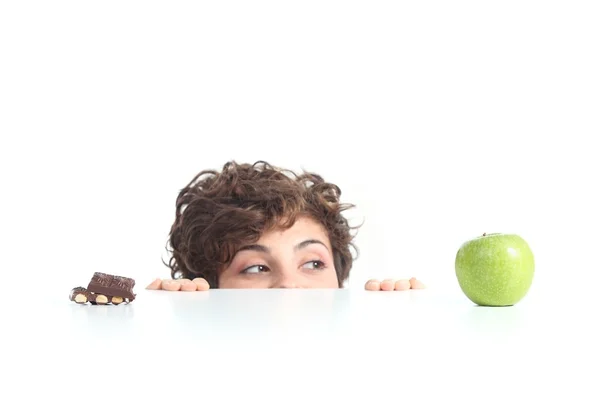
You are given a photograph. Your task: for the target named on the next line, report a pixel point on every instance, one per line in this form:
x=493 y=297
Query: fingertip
x=416 y=284
x=402 y=284
x=201 y=284
x=373 y=284
x=155 y=284
x=171 y=285
x=387 y=285
x=187 y=285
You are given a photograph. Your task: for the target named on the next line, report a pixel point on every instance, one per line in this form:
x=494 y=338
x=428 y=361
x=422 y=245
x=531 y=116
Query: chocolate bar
x=81 y=295
x=104 y=289
x=114 y=288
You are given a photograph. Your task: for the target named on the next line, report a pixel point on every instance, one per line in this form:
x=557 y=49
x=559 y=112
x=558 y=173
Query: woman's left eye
x=315 y=264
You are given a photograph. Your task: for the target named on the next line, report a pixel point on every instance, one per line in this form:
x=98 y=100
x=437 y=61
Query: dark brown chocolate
x=81 y=295
x=112 y=286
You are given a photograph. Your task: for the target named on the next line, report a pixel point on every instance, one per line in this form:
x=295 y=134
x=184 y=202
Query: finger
x=155 y=285
x=416 y=284
x=402 y=284
x=387 y=285
x=373 y=284
x=201 y=284
x=187 y=285
x=171 y=285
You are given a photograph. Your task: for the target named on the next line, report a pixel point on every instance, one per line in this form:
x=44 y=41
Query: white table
x=301 y=343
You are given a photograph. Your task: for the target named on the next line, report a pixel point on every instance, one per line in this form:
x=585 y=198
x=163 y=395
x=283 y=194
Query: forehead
x=302 y=229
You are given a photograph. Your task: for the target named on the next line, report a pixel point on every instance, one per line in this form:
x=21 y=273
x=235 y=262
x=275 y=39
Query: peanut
x=80 y=298
x=101 y=299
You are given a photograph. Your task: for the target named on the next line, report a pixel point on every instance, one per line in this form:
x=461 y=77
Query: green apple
x=495 y=269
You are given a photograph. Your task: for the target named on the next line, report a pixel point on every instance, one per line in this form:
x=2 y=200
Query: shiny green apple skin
x=495 y=269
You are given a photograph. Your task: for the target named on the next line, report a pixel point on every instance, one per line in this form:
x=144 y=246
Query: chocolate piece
x=111 y=286
x=104 y=289
x=79 y=295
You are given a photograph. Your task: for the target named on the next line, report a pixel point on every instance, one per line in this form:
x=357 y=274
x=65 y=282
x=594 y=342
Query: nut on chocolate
x=79 y=295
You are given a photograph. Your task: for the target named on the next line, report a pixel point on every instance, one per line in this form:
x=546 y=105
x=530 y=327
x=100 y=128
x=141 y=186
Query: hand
x=390 y=284
x=175 y=285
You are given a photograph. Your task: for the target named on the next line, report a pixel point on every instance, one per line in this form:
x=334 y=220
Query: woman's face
x=299 y=257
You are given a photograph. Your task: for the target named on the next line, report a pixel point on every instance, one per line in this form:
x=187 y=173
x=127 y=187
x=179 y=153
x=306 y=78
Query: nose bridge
x=287 y=277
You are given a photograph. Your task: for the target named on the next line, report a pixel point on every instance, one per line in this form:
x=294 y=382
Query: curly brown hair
x=218 y=212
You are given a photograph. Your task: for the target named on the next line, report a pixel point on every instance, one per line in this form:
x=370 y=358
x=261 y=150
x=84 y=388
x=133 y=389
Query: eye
x=255 y=269
x=315 y=264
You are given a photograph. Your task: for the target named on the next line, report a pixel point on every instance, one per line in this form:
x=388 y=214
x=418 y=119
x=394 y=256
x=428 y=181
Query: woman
x=258 y=226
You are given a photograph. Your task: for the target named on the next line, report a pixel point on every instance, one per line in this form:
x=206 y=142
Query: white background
x=439 y=120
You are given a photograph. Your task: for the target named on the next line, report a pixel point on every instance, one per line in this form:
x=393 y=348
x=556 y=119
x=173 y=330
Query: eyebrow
x=308 y=242
x=264 y=249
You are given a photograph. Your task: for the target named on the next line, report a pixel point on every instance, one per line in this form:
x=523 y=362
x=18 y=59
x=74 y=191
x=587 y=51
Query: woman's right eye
x=255 y=269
